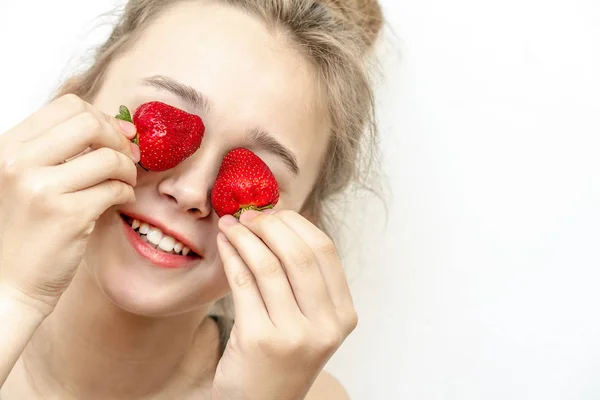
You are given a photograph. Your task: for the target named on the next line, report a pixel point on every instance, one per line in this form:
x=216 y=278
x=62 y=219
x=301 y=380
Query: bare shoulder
x=326 y=387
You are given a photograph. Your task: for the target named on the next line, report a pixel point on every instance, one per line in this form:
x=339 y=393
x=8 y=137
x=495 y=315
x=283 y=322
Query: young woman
x=86 y=311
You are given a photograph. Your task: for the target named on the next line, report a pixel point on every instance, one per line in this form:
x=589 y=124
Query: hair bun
x=365 y=14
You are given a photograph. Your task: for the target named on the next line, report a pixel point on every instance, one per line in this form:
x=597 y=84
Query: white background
x=484 y=282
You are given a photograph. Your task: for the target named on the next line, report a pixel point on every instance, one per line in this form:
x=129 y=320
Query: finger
x=93 y=168
x=300 y=262
x=327 y=256
x=74 y=136
x=47 y=117
x=99 y=198
x=248 y=303
x=73 y=106
x=267 y=270
x=53 y=114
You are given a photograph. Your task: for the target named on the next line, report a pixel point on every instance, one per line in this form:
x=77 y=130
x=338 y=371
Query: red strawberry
x=244 y=183
x=166 y=135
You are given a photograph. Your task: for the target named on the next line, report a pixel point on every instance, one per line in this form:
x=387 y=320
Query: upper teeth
x=159 y=239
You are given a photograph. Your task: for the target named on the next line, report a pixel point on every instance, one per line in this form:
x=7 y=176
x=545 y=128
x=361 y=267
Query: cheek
x=293 y=194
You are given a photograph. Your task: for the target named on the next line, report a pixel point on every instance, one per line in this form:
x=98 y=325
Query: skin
x=150 y=323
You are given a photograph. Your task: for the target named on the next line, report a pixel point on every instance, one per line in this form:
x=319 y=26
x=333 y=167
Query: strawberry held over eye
x=244 y=183
x=166 y=135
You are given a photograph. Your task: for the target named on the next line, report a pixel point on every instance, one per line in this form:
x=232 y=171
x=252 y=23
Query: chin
x=140 y=287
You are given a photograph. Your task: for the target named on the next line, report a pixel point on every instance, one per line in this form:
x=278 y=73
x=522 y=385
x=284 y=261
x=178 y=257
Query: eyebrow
x=257 y=136
x=264 y=140
x=183 y=91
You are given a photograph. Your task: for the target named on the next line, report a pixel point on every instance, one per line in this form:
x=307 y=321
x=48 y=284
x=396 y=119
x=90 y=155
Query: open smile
x=157 y=247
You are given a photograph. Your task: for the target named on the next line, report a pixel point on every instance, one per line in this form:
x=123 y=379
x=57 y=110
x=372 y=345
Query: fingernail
x=135 y=149
x=128 y=128
x=248 y=215
x=269 y=211
x=228 y=220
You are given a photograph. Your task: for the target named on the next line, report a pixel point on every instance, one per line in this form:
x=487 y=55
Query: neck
x=99 y=351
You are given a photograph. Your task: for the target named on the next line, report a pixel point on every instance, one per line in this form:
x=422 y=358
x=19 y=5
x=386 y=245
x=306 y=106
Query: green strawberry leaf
x=124 y=114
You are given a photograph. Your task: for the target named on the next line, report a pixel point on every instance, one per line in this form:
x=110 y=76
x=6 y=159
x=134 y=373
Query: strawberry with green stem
x=166 y=135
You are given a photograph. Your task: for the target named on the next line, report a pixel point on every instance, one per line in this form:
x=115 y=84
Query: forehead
x=251 y=75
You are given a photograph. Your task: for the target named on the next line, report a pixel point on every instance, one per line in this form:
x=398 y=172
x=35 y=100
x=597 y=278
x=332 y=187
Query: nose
x=188 y=189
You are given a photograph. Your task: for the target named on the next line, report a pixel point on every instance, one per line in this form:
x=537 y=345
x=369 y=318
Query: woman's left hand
x=292 y=304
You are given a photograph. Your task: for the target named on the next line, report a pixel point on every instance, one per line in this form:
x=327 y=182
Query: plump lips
x=167 y=253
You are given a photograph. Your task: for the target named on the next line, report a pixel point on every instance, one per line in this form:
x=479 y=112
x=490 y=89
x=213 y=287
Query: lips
x=161 y=253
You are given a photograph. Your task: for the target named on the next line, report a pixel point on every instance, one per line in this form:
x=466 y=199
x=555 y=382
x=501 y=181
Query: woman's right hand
x=49 y=207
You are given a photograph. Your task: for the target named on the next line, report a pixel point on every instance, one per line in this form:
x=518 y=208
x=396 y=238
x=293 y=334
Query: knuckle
x=109 y=158
x=244 y=279
x=89 y=123
x=327 y=247
x=73 y=102
x=351 y=319
x=270 y=268
x=35 y=190
x=118 y=192
x=123 y=193
x=114 y=187
x=121 y=190
x=113 y=122
x=304 y=259
x=329 y=341
x=128 y=193
x=37 y=193
x=9 y=167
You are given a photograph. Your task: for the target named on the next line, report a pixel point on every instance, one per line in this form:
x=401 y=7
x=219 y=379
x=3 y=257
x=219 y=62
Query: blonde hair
x=335 y=35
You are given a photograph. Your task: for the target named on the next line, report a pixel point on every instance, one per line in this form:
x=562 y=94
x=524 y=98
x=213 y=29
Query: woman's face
x=250 y=80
